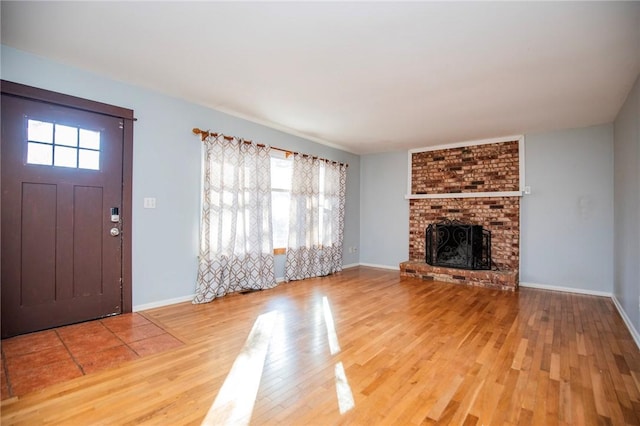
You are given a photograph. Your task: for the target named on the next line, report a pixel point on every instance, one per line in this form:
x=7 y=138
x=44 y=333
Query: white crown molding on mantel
x=520 y=138
x=465 y=195
x=468 y=143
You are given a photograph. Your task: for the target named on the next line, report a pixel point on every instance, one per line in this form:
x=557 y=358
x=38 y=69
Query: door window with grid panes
x=59 y=145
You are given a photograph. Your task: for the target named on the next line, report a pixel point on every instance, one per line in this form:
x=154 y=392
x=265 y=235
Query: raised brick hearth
x=482 y=174
x=502 y=280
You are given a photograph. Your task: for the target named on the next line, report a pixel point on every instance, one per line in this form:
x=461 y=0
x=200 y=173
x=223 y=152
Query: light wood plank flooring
x=405 y=351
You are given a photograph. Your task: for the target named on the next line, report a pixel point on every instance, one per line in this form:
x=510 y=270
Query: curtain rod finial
x=203 y=133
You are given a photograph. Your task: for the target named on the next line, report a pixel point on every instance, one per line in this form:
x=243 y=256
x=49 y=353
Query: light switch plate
x=149 y=203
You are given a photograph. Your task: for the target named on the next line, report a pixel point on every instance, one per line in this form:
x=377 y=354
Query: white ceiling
x=365 y=76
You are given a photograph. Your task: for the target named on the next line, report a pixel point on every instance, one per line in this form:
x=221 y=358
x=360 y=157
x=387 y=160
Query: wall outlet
x=527 y=190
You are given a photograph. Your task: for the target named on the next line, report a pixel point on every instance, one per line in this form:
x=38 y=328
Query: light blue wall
x=384 y=213
x=567 y=221
x=166 y=165
x=627 y=207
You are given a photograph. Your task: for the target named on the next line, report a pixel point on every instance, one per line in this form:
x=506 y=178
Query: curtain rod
x=206 y=133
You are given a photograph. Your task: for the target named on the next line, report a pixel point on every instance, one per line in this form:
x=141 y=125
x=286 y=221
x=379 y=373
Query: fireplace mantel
x=464 y=195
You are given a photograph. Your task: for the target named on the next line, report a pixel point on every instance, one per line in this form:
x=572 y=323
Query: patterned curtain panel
x=236 y=249
x=316 y=221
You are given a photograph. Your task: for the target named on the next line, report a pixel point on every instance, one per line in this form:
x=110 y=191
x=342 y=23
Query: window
x=53 y=144
x=281 y=170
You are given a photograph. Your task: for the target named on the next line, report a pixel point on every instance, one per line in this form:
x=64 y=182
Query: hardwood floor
x=367 y=347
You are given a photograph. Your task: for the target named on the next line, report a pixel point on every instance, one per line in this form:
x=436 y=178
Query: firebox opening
x=455 y=244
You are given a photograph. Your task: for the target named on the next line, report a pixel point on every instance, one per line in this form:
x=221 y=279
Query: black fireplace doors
x=455 y=244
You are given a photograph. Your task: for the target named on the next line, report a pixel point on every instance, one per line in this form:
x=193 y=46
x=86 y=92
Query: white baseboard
x=627 y=321
x=161 y=303
x=373 y=265
x=350 y=265
x=566 y=289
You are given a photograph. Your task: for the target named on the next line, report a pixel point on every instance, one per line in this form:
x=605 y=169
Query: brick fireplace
x=476 y=183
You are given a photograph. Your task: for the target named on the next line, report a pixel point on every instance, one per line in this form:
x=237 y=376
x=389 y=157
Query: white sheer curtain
x=236 y=250
x=316 y=221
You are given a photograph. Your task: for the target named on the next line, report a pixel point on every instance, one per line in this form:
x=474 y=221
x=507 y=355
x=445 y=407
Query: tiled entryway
x=37 y=360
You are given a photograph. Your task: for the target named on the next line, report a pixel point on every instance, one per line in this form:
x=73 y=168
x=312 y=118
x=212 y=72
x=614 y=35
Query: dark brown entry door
x=61 y=251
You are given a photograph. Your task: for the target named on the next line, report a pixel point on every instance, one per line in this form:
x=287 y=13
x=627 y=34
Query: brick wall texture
x=480 y=168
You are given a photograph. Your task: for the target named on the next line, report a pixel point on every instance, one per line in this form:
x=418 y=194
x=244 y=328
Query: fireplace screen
x=454 y=244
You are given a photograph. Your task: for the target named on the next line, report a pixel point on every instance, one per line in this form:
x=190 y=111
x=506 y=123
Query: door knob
x=114 y=232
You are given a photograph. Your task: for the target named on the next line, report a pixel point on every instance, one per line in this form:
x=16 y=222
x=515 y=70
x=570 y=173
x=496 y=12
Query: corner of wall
x=632 y=329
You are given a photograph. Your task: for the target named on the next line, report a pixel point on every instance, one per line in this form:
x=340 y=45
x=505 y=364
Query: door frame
x=41 y=95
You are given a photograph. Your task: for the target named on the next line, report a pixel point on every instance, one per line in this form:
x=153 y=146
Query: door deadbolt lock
x=114 y=232
x=115 y=215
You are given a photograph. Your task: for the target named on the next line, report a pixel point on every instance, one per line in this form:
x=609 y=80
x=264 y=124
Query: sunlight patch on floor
x=236 y=398
x=343 y=390
x=334 y=346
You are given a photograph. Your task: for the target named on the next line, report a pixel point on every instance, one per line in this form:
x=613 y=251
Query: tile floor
x=37 y=360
